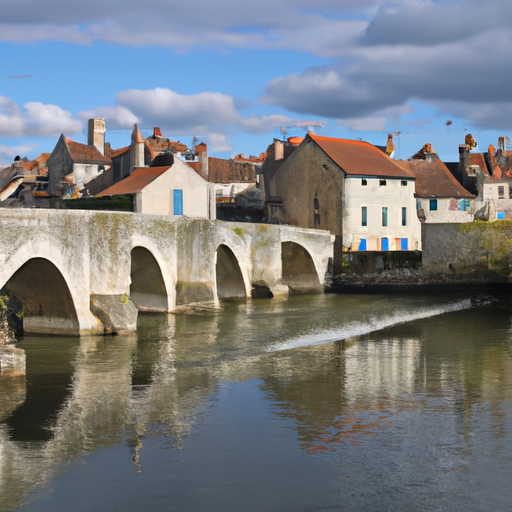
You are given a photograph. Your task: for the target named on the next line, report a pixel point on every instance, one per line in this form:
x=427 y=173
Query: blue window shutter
x=178 y=201
x=385 y=244
x=403 y=244
x=362 y=244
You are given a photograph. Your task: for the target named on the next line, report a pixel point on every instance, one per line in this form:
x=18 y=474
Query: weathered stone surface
x=56 y=260
x=117 y=313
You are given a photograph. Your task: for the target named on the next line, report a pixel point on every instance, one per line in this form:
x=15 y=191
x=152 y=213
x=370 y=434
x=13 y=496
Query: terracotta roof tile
x=134 y=183
x=359 y=158
x=113 y=153
x=478 y=159
x=433 y=179
x=86 y=154
x=230 y=171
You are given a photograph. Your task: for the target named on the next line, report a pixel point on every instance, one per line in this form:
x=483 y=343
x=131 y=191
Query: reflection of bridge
x=66 y=265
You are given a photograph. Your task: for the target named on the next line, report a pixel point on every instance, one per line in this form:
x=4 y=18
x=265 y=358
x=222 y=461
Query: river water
x=363 y=402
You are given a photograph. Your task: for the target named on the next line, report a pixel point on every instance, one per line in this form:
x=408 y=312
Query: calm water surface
x=334 y=402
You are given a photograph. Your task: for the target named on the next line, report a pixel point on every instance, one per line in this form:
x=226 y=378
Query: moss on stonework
x=239 y=231
x=495 y=238
x=11 y=318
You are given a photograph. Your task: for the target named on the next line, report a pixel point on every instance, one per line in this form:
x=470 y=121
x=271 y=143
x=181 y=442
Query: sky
x=238 y=74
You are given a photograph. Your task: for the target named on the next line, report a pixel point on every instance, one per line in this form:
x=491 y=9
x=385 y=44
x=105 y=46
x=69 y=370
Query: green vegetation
x=239 y=231
x=11 y=318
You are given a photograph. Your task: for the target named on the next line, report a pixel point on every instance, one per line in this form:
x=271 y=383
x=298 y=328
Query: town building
x=170 y=187
x=439 y=196
x=350 y=188
x=72 y=165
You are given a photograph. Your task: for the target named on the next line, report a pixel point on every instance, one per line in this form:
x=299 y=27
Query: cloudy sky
x=234 y=74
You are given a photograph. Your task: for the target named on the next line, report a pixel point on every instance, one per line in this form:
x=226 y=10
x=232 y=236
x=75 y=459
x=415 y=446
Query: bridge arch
x=229 y=277
x=47 y=303
x=298 y=269
x=147 y=289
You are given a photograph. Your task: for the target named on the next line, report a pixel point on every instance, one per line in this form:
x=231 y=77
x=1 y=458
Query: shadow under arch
x=47 y=304
x=230 y=281
x=299 y=272
x=147 y=288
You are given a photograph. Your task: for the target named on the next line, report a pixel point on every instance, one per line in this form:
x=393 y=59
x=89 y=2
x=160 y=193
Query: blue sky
x=233 y=74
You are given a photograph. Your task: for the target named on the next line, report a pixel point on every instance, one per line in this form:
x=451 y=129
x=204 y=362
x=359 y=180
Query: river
x=360 y=402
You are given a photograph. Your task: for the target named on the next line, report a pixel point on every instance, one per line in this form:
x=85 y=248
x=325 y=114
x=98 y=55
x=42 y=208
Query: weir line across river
x=90 y=272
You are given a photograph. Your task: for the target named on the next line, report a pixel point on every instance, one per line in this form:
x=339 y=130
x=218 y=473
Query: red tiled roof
x=43 y=158
x=478 y=159
x=434 y=179
x=359 y=158
x=227 y=171
x=85 y=154
x=230 y=171
x=134 y=183
x=113 y=153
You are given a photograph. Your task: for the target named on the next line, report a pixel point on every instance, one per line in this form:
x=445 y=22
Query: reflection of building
x=386 y=368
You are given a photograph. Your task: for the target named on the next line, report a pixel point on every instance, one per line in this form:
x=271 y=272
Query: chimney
x=137 y=149
x=463 y=156
x=201 y=151
x=96 y=134
x=502 y=145
x=156 y=132
x=278 y=149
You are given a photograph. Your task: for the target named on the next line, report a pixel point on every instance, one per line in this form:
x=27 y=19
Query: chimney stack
x=137 y=149
x=201 y=151
x=96 y=134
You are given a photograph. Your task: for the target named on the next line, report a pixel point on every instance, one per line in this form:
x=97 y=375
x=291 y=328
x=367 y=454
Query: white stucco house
x=440 y=198
x=350 y=188
x=174 y=189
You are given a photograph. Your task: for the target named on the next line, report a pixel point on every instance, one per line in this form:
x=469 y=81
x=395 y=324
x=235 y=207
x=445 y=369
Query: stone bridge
x=89 y=272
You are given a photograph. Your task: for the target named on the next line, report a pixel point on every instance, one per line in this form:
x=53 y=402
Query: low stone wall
x=475 y=251
x=370 y=262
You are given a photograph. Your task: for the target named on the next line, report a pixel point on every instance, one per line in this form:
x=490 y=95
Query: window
x=382 y=183
x=384 y=215
x=418 y=204
x=510 y=192
x=464 y=205
x=364 y=182
x=404 y=216
x=403 y=183
x=501 y=192
x=178 y=202
x=364 y=216
x=433 y=205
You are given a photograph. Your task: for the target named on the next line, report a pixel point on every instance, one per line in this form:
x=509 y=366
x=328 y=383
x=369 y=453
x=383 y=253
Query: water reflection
x=438 y=387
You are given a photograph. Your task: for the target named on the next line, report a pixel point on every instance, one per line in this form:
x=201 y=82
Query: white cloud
x=290 y=24
x=183 y=114
x=118 y=117
x=35 y=119
x=413 y=51
x=218 y=142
